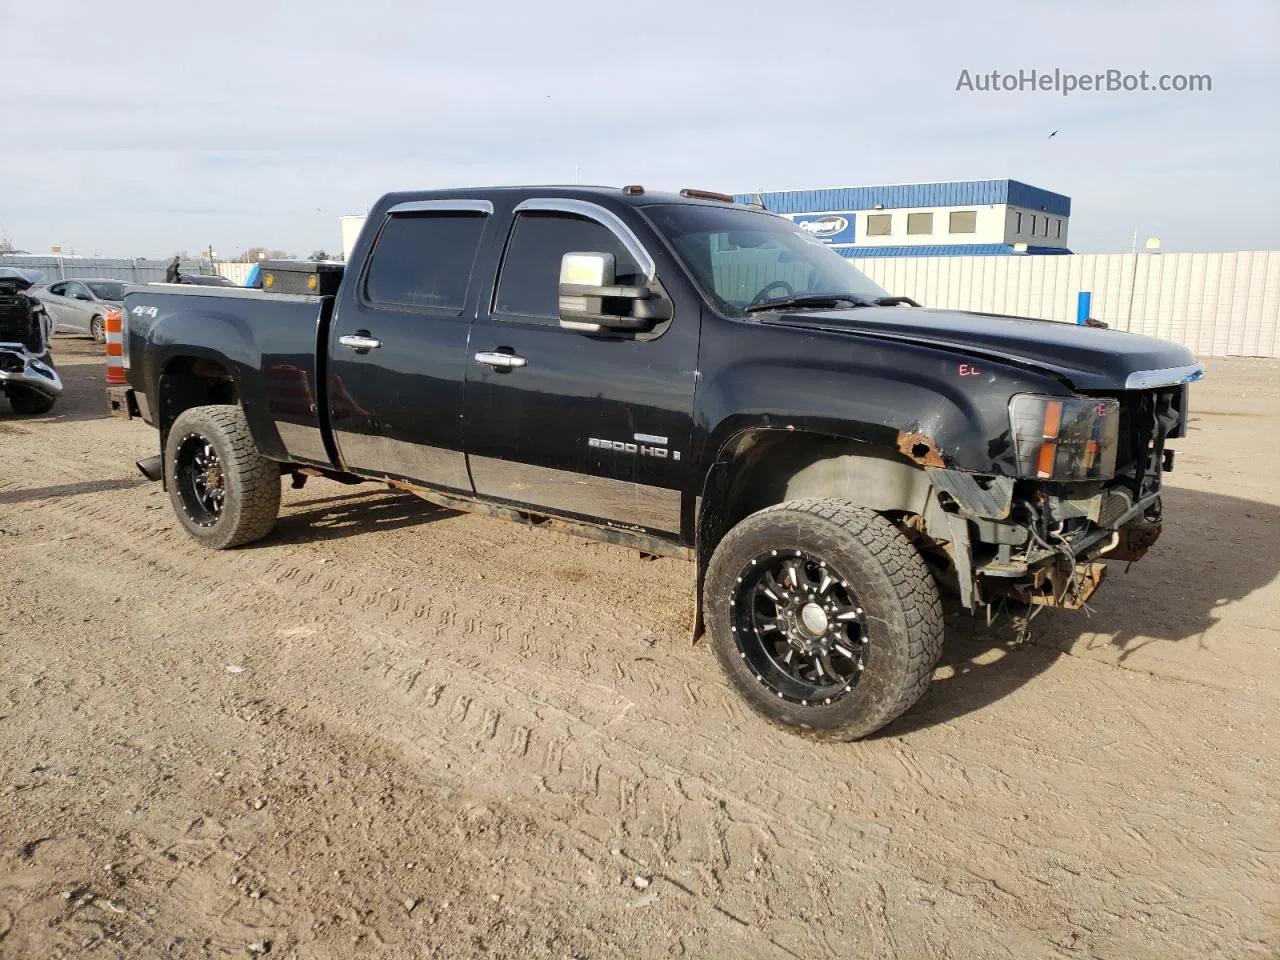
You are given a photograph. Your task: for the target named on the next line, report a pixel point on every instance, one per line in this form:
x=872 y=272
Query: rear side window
x=530 y=282
x=424 y=261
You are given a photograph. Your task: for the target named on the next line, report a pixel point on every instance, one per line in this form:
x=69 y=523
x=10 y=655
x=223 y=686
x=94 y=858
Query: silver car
x=80 y=306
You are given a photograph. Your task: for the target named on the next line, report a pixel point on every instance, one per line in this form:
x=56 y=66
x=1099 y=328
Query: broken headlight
x=1065 y=438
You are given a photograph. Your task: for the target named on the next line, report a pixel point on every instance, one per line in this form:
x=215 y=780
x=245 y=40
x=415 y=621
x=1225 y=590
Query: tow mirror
x=590 y=301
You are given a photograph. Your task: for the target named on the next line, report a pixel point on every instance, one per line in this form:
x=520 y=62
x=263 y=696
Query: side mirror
x=590 y=302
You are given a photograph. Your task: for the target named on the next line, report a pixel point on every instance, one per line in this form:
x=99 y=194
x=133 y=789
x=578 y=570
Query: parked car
x=205 y=280
x=27 y=374
x=690 y=377
x=81 y=305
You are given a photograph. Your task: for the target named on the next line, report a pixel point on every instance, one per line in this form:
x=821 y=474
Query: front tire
x=824 y=617
x=222 y=489
x=29 y=403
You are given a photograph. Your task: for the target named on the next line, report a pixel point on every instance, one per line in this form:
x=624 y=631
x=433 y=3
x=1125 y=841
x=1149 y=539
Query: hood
x=1089 y=358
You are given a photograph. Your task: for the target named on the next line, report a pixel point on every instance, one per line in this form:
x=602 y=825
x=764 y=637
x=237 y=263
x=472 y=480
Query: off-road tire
x=98 y=329
x=902 y=606
x=29 y=403
x=251 y=482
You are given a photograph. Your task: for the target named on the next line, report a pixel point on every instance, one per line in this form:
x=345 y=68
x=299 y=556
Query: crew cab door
x=397 y=350
x=595 y=426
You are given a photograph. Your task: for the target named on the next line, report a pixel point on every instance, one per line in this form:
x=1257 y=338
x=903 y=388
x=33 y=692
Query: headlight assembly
x=1065 y=438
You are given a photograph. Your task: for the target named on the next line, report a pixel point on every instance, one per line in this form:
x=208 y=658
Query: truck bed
x=274 y=342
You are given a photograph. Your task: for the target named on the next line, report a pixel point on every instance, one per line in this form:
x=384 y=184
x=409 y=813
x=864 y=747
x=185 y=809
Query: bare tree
x=5 y=246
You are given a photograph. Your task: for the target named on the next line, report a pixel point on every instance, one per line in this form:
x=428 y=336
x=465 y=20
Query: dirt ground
x=390 y=730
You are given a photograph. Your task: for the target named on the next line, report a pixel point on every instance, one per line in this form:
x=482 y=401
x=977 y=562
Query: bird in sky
x=1052 y=135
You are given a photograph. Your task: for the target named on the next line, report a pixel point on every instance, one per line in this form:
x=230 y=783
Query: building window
x=1033 y=224
x=964 y=221
x=1018 y=228
x=1059 y=228
x=1046 y=226
x=879 y=224
x=919 y=223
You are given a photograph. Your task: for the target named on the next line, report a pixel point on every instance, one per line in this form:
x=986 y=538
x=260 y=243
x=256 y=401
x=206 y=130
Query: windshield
x=743 y=258
x=107 y=290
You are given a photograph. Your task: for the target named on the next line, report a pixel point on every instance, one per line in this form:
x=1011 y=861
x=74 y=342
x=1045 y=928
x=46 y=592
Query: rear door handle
x=503 y=361
x=361 y=343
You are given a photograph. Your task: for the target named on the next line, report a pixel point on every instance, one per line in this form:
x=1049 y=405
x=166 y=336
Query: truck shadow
x=1215 y=551
x=349 y=515
x=32 y=494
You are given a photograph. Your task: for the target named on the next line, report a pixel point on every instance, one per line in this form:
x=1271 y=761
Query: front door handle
x=502 y=361
x=360 y=342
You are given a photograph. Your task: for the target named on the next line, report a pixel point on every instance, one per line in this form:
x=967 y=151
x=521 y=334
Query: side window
x=58 y=289
x=76 y=290
x=529 y=285
x=424 y=261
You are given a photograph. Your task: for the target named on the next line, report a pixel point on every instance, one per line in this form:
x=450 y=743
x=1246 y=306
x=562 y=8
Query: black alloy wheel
x=800 y=627
x=200 y=479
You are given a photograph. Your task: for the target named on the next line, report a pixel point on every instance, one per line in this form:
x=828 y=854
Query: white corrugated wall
x=1218 y=304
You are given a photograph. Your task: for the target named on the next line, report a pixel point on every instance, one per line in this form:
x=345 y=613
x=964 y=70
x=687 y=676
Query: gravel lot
x=391 y=730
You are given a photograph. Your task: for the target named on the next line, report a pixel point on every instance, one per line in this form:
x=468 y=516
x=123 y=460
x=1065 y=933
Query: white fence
x=1218 y=304
x=53 y=267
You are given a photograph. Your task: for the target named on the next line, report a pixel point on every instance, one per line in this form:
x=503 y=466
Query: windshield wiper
x=808 y=300
x=895 y=302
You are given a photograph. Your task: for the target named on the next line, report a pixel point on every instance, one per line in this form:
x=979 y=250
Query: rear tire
x=98 y=330
x=29 y=403
x=222 y=489
x=850 y=643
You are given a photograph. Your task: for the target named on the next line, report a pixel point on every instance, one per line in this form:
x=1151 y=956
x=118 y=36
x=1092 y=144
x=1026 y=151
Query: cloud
x=169 y=126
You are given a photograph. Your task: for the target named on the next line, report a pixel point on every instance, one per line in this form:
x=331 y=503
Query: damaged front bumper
x=19 y=367
x=1038 y=543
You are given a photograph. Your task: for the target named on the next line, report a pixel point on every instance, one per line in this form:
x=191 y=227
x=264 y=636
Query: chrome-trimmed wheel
x=198 y=473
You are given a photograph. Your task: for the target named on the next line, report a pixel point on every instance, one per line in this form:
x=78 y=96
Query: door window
x=529 y=285
x=77 y=291
x=424 y=261
x=58 y=289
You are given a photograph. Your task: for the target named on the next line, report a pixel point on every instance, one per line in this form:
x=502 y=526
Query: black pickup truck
x=690 y=377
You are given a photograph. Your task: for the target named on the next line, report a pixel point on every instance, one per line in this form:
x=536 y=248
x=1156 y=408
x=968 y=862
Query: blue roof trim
x=957 y=194
x=856 y=252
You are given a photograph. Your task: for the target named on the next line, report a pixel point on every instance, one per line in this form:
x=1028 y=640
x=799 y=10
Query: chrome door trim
x=603 y=499
x=1168 y=377
x=417 y=461
x=607 y=218
x=461 y=205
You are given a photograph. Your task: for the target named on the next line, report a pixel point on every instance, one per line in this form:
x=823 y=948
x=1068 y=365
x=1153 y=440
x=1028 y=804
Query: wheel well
x=760 y=468
x=188 y=382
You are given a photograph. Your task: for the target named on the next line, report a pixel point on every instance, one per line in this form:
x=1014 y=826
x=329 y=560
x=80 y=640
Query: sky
x=164 y=127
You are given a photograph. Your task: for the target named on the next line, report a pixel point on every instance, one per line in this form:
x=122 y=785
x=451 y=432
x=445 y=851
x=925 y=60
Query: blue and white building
x=952 y=218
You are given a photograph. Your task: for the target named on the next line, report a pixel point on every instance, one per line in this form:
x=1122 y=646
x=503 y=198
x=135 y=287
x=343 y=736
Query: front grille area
x=19 y=322
x=1115 y=504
